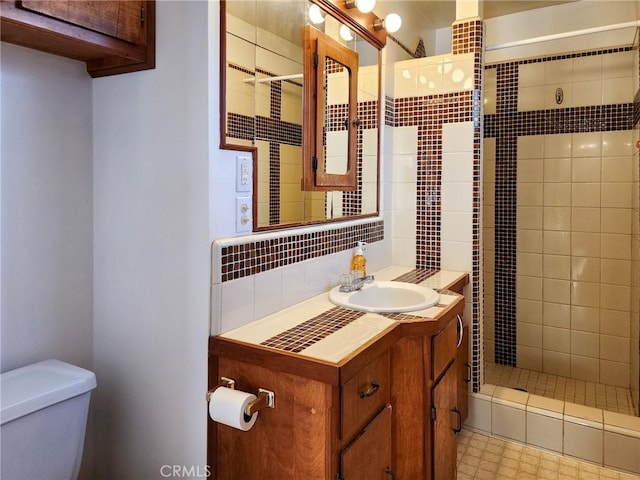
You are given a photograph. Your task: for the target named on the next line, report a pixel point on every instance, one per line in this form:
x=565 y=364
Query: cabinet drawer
x=364 y=395
x=444 y=348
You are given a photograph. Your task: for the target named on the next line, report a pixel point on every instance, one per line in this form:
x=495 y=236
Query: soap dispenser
x=359 y=261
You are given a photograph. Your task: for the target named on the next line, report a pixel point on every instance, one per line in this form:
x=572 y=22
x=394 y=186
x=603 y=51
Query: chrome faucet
x=356 y=284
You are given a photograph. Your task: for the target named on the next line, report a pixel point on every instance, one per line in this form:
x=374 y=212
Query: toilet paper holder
x=266 y=398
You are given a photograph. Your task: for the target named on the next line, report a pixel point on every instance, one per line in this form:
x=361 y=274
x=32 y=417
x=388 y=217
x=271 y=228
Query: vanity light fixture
x=391 y=23
x=315 y=14
x=345 y=33
x=365 y=6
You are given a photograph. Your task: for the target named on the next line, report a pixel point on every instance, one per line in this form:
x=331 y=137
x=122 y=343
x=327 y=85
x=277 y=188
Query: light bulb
x=315 y=14
x=345 y=33
x=392 y=22
x=365 y=6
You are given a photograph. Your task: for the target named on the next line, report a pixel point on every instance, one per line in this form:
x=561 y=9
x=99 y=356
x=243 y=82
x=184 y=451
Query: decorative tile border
x=253 y=255
x=313 y=330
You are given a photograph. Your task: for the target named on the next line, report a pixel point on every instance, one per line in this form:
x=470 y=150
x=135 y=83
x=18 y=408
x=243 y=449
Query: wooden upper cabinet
x=111 y=36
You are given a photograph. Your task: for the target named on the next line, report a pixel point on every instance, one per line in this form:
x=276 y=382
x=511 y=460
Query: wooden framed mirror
x=262 y=111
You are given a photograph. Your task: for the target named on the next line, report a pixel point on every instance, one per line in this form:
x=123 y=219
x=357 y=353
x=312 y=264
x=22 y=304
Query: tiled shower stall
x=561 y=216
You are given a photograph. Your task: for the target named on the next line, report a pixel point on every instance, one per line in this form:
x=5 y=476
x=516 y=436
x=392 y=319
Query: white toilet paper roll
x=227 y=406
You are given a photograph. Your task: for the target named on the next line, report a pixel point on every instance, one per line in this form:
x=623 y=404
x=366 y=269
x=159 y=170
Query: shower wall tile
x=585 y=318
x=529 y=311
x=557 y=266
x=618 y=143
x=563 y=151
x=557 y=146
x=615 y=322
x=556 y=169
x=557 y=315
x=585 y=269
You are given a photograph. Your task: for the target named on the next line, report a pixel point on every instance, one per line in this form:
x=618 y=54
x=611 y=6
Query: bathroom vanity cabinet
x=111 y=36
x=389 y=409
x=326 y=419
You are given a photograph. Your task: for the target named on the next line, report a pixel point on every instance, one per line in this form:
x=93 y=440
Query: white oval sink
x=386 y=297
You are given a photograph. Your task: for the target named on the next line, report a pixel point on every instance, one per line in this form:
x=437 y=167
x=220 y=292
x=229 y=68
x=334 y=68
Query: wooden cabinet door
x=368 y=457
x=119 y=19
x=445 y=421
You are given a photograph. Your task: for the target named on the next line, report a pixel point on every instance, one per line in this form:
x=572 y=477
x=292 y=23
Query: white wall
x=46 y=209
x=151 y=256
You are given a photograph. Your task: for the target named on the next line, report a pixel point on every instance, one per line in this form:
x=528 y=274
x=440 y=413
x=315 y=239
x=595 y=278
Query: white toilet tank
x=43 y=416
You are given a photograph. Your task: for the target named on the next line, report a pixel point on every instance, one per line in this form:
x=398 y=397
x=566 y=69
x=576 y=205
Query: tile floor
x=606 y=397
x=488 y=458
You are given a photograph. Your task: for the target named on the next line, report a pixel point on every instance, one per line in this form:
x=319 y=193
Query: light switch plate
x=243 y=214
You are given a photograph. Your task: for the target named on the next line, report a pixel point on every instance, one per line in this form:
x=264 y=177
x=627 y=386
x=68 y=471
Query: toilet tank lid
x=33 y=387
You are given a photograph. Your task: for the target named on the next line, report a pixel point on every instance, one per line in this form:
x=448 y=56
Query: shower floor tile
x=606 y=397
x=487 y=458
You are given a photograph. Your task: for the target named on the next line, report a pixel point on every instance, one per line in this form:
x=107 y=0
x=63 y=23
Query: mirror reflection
x=263 y=94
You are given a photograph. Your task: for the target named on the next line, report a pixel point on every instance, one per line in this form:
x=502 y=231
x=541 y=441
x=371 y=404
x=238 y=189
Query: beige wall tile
x=616 y=169
x=557 y=218
x=585 y=319
x=529 y=358
x=615 y=297
x=557 y=363
x=616 y=246
x=556 y=315
x=586 y=145
x=615 y=322
x=585 y=368
x=556 y=339
x=616 y=195
x=585 y=294
x=585 y=194
x=586 y=344
x=550 y=91
x=585 y=269
x=529 y=170
x=531 y=74
x=585 y=169
x=529 y=241
x=557 y=194
x=529 y=218
x=558 y=71
x=617 y=64
x=556 y=266
x=587 y=93
x=531 y=98
x=557 y=146
x=529 y=287
x=529 y=264
x=529 y=334
x=587 y=68
x=556 y=291
x=617 y=90
x=616 y=349
x=529 y=194
x=616 y=220
x=618 y=143
x=615 y=373
x=585 y=244
x=529 y=311
x=616 y=272
x=557 y=243
x=531 y=146
x=557 y=169
x=585 y=219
